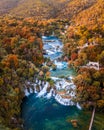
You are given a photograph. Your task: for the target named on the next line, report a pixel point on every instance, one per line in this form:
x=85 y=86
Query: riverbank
x=46 y=103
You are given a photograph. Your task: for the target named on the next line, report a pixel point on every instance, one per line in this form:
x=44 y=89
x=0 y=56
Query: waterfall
x=50 y=94
x=26 y=92
x=63 y=101
x=39 y=82
x=55 y=78
x=78 y=106
x=40 y=87
x=60 y=65
x=49 y=52
x=63 y=84
x=30 y=90
x=43 y=91
x=35 y=91
x=64 y=90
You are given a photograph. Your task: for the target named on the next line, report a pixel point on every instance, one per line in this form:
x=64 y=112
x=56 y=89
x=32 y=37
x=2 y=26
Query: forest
x=21 y=50
x=84 y=43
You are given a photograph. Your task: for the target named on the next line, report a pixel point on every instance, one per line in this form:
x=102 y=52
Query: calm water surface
x=43 y=114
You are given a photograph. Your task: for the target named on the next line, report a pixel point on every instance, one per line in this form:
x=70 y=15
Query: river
x=54 y=110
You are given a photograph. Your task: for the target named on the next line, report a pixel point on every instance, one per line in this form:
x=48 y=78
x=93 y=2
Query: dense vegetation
x=20 y=55
x=84 y=43
x=21 y=49
x=74 y=7
x=45 y=9
x=21 y=60
x=41 y=9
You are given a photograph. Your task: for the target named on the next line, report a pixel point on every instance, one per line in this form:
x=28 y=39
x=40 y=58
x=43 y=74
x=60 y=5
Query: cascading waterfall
x=50 y=94
x=64 y=90
x=64 y=101
x=43 y=91
x=60 y=65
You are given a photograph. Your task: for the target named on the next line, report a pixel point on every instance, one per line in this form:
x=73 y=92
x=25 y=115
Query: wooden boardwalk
x=92 y=119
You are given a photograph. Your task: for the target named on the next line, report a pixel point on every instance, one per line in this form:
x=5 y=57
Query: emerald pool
x=41 y=110
x=43 y=114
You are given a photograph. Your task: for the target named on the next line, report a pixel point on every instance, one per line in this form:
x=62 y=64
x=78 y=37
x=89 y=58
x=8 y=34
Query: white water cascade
x=50 y=94
x=63 y=101
x=78 y=106
x=64 y=89
x=26 y=92
x=44 y=90
x=60 y=65
x=65 y=92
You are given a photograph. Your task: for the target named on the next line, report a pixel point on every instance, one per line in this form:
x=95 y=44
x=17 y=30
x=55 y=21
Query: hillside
x=44 y=9
x=91 y=16
x=79 y=23
x=7 y=5
x=39 y=8
x=84 y=44
x=74 y=7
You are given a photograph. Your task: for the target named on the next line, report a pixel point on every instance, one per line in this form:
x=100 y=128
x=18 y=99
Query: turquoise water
x=43 y=114
x=50 y=37
x=63 y=72
x=47 y=114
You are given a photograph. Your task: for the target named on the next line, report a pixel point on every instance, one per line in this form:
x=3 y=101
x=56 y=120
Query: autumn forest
x=80 y=26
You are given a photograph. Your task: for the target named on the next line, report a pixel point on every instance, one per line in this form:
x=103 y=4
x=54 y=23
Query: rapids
x=53 y=109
